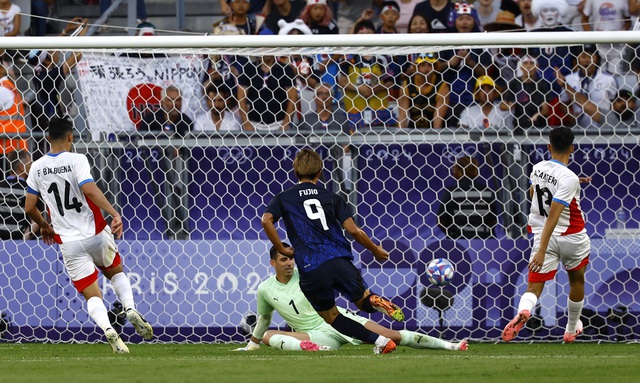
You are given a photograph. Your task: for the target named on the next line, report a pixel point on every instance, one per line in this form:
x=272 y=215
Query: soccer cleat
x=512 y=328
x=386 y=307
x=463 y=345
x=117 y=345
x=388 y=348
x=307 y=345
x=142 y=326
x=569 y=337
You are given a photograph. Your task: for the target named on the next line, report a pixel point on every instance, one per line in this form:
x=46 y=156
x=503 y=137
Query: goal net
x=191 y=137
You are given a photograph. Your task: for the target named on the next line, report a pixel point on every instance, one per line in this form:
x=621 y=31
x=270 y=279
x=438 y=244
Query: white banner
x=118 y=90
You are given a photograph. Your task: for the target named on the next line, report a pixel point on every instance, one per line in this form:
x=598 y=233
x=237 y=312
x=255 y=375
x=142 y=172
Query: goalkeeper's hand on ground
x=251 y=346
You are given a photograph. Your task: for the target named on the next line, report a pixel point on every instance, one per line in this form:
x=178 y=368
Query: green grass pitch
x=520 y=362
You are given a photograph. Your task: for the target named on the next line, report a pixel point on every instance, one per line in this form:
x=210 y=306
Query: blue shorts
x=319 y=285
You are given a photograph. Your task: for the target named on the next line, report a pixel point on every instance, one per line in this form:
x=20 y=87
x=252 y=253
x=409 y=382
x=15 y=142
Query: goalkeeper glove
x=251 y=346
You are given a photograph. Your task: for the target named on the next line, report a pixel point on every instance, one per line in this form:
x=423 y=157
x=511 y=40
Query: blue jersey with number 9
x=313 y=217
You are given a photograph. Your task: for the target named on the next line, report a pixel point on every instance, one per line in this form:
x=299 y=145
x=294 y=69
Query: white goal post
x=191 y=202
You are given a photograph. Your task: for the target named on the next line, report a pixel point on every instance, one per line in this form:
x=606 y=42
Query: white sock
x=417 y=340
x=381 y=341
x=122 y=287
x=575 y=309
x=527 y=302
x=98 y=312
x=284 y=342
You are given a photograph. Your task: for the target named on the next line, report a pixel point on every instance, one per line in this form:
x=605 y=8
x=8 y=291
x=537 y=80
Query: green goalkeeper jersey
x=289 y=301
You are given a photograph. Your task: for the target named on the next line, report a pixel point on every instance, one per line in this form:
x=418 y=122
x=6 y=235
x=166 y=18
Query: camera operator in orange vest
x=11 y=114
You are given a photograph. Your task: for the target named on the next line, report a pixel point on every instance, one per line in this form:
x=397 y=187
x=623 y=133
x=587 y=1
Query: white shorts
x=330 y=337
x=82 y=257
x=572 y=250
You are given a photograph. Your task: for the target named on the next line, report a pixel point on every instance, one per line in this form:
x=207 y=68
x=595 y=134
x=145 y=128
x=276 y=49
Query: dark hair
x=273 y=253
x=363 y=24
x=59 y=127
x=561 y=139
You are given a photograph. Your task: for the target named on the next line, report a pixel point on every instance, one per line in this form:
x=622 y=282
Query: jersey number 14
x=69 y=203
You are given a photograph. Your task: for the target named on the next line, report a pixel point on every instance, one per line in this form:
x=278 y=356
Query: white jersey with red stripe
x=554 y=181
x=58 y=179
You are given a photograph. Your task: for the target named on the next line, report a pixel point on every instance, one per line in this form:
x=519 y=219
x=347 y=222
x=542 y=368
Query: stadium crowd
x=508 y=89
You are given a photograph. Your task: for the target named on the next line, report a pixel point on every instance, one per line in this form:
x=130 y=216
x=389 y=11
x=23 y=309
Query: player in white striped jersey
x=281 y=292
x=557 y=223
x=63 y=180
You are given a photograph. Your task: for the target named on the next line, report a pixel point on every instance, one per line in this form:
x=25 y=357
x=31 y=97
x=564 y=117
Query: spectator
x=573 y=17
x=172 y=199
x=9 y=18
x=267 y=95
x=14 y=222
x=406 y=13
x=305 y=79
x=437 y=13
x=504 y=21
x=366 y=82
x=608 y=15
x=219 y=116
x=11 y=115
x=425 y=97
x=256 y=7
x=317 y=15
x=550 y=13
x=47 y=78
x=238 y=17
x=288 y=10
x=169 y=119
x=463 y=66
x=589 y=79
x=622 y=115
x=327 y=115
x=526 y=18
x=528 y=96
x=469 y=207
x=485 y=113
x=465 y=18
x=224 y=69
x=40 y=10
x=418 y=24
x=366 y=15
x=487 y=11
x=389 y=14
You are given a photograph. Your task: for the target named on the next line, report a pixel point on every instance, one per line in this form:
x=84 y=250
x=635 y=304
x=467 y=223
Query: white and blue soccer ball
x=440 y=271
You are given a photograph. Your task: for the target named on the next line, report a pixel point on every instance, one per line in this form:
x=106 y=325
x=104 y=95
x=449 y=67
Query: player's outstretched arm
x=270 y=229
x=362 y=238
x=93 y=192
x=31 y=208
x=262 y=325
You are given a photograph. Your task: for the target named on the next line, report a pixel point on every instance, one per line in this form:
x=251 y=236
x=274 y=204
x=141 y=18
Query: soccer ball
x=440 y=271
x=248 y=323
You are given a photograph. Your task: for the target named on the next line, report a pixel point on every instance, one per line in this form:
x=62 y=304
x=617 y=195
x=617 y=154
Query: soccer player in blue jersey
x=281 y=292
x=314 y=218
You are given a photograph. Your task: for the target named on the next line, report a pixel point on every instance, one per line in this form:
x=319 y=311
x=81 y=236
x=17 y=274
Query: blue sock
x=353 y=329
